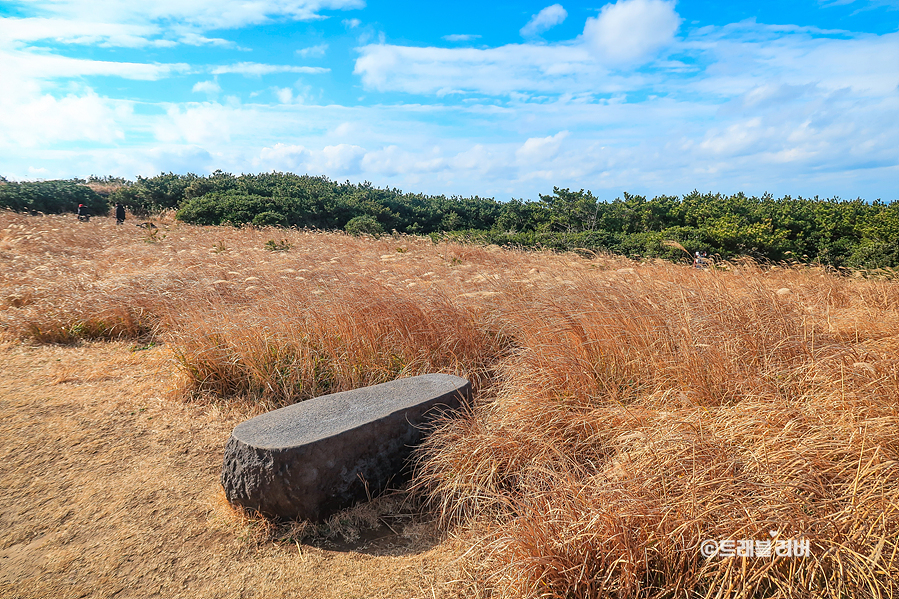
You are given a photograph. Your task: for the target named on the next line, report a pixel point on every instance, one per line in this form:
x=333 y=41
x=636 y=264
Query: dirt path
x=110 y=489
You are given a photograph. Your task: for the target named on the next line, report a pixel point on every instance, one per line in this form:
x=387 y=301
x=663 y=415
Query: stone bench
x=309 y=460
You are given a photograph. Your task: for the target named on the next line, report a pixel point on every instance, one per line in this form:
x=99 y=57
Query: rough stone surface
x=309 y=460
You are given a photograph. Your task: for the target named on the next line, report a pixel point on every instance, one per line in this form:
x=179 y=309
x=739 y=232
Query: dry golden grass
x=645 y=411
x=110 y=489
x=625 y=412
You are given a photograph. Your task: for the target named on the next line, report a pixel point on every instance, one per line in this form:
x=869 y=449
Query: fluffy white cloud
x=44 y=119
x=206 y=87
x=624 y=33
x=342 y=159
x=284 y=94
x=283 y=157
x=254 y=69
x=332 y=160
x=540 y=149
x=630 y=31
x=503 y=70
x=207 y=123
x=546 y=19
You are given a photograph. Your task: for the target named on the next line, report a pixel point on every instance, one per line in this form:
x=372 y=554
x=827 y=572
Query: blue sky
x=497 y=99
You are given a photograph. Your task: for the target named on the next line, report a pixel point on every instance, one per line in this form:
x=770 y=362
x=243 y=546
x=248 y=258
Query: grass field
x=625 y=412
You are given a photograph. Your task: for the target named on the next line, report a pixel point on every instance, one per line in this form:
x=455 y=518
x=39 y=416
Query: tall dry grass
x=309 y=340
x=648 y=410
x=625 y=413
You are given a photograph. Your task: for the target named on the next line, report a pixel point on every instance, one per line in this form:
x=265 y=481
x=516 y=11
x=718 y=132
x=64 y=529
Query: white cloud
x=284 y=94
x=41 y=119
x=283 y=157
x=394 y=160
x=540 y=149
x=630 y=31
x=333 y=160
x=345 y=129
x=22 y=65
x=503 y=70
x=254 y=69
x=161 y=23
x=546 y=19
x=201 y=14
x=192 y=38
x=147 y=162
x=104 y=34
x=316 y=51
x=485 y=162
x=78 y=32
x=351 y=23
x=206 y=123
x=737 y=139
x=342 y=159
x=746 y=56
x=206 y=87
x=623 y=34
x=461 y=37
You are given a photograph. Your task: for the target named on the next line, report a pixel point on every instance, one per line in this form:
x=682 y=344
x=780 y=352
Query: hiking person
x=83 y=214
x=701 y=260
x=119 y=213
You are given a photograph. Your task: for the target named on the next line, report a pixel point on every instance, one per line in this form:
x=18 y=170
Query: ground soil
x=110 y=489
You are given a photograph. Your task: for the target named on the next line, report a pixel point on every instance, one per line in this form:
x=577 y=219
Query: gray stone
x=309 y=460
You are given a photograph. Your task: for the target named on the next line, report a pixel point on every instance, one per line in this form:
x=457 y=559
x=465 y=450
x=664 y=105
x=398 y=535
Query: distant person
x=83 y=214
x=119 y=213
x=701 y=260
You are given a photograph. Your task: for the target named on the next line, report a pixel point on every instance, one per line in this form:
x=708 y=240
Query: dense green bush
x=874 y=254
x=154 y=194
x=51 y=197
x=364 y=225
x=304 y=201
x=850 y=233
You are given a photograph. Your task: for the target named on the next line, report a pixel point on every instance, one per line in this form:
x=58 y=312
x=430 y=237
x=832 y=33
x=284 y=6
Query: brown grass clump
x=648 y=411
x=626 y=412
x=301 y=345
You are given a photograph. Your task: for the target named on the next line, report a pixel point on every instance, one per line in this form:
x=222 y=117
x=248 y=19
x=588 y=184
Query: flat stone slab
x=309 y=460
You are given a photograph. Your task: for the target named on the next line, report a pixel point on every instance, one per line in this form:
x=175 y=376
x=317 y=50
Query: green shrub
x=277 y=246
x=875 y=254
x=154 y=194
x=218 y=208
x=270 y=219
x=51 y=197
x=364 y=225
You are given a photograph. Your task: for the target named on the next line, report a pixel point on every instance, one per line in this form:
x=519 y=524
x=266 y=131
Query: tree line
x=842 y=233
